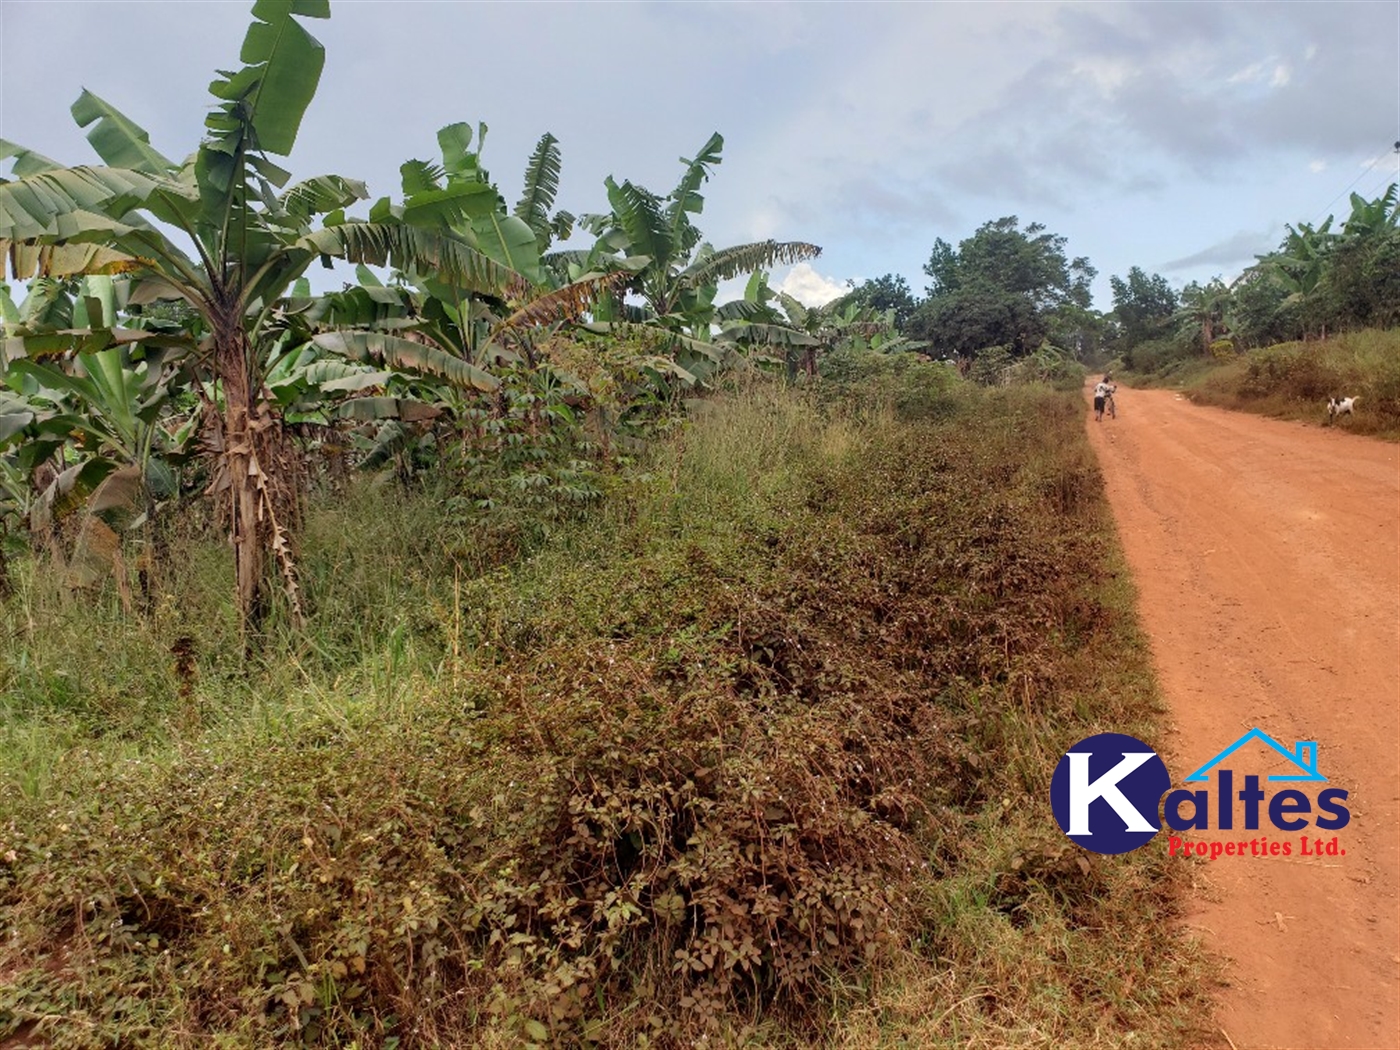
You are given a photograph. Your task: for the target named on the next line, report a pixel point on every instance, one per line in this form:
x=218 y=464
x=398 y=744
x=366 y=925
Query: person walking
x=1103 y=393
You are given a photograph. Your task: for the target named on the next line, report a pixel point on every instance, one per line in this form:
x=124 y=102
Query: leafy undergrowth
x=1294 y=381
x=757 y=754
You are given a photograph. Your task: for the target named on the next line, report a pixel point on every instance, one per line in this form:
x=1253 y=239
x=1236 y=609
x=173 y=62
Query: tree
x=1260 y=308
x=1142 y=305
x=1003 y=286
x=890 y=292
x=252 y=236
x=678 y=275
x=1300 y=263
x=978 y=316
x=1363 y=272
x=1204 y=310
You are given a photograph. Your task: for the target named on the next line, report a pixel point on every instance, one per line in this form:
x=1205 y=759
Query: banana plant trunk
x=240 y=456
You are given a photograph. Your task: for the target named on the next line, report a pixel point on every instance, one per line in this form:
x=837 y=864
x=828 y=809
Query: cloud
x=1243 y=247
x=1137 y=129
x=1248 y=75
x=1147 y=93
x=809 y=287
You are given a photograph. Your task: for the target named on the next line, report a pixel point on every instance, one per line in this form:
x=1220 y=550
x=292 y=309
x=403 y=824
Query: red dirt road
x=1267 y=560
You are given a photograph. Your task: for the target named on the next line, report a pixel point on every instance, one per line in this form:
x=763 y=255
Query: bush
x=1156 y=355
x=1051 y=365
x=772 y=713
x=1296 y=379
x=990 y=366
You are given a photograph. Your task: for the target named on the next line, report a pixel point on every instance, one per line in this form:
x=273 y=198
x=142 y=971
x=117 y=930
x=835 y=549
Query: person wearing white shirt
x=1102 y=392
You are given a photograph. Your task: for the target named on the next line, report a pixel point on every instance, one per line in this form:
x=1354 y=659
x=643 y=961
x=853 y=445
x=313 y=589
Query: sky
x=1179 y=137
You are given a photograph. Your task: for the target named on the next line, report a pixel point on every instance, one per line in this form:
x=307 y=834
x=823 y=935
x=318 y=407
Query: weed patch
x=1294 y=381
x=768 y=730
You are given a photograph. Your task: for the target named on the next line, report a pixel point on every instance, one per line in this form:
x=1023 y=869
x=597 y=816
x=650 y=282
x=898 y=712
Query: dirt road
x=1267 y=560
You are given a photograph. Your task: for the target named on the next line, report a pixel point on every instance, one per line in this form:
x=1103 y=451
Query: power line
x=1366 y=171
x=1376 y=188
x=1386 y=177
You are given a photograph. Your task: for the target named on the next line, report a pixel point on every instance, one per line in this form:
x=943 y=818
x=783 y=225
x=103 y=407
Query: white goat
x=1341 y=406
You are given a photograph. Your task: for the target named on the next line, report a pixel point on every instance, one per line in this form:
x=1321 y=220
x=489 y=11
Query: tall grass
x=1294 y=381
x=755 y=752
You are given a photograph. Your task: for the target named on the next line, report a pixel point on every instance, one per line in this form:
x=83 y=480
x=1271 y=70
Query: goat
x=1340 y=406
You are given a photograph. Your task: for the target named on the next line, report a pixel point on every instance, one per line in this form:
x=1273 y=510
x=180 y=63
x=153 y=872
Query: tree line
x=1010 y=290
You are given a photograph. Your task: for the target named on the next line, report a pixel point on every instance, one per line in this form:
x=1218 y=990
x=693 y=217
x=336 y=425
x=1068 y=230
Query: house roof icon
x=1303 y=756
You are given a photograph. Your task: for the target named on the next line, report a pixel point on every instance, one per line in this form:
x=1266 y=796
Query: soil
x=1267 y=560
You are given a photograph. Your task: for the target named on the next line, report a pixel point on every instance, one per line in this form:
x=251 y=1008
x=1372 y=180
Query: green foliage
x=890 y=292
x=1263 y=311
x=679 y=274
x=1203 y=313
x=248 y=242
x=1143 y=306
x=991 y=365
x=1319 y=280
x=912 y=387
x=541 y=186
x=1000 y=287
x=1323 y=279
x=1296 y=379
x=1052 y=365
x=684 y=773
x=1158 y=356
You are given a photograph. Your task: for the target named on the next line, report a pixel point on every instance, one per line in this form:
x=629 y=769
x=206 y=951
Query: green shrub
x=1296 y=379
x=771 y=718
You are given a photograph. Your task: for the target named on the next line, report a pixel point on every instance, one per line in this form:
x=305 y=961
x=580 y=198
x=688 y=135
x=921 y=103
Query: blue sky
x=1179 y=137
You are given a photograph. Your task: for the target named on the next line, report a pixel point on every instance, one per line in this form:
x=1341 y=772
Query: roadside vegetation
x=1315 y=318
x=1295 y=380
x=518 y=645
x=754 y=750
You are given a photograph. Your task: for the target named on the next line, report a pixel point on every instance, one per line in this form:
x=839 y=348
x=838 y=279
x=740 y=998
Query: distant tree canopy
x=1003 y=286
x=1319 y=280
x=890 y=292
x=1143 y=305
x=1014 y=287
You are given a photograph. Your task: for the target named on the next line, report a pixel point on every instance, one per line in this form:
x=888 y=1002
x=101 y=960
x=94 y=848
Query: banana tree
x=1363 y=275
x=1373 y=218
x=765 y=317
x=93 y=408
x=1205 y=309
x=1301 y=264
x=537 y=196
x=248 y=237
x=681 y=275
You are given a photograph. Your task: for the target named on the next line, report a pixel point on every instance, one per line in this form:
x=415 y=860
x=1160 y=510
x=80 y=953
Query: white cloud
x=809 y=287
x=1256 y=73
x=1317 y=166
x=1108 y=74
x=1248 y=75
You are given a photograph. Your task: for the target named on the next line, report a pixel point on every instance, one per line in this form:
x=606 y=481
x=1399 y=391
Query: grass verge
x=757 y=753
x=1294 y=381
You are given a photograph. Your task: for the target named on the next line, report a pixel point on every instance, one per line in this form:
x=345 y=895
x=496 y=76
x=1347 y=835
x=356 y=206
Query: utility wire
x=1365 y=171
x=1377 y=187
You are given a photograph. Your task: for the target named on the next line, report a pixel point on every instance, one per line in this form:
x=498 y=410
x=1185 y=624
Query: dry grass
x=1294 y=381
x=757 y=754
